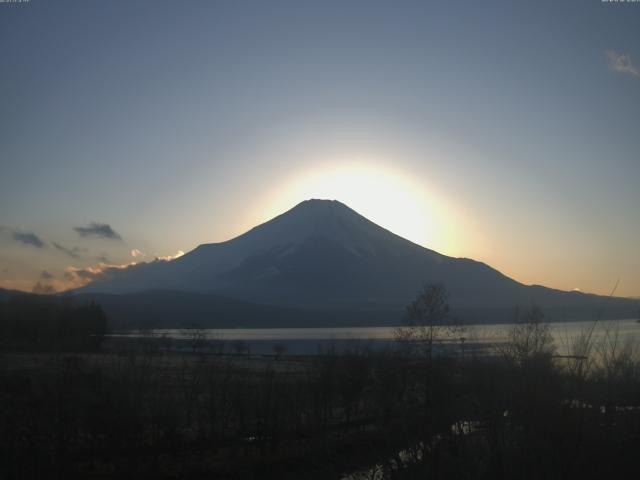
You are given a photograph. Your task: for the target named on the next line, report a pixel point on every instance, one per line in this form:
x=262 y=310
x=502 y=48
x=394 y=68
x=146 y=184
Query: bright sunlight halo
x=381 y=195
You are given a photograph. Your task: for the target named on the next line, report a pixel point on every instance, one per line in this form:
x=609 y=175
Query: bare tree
x=427 y=321
x=529 y=339
x=279 y=350
x=197 y=340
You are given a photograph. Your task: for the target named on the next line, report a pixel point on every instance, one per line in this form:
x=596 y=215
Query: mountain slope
x=322 y=254
x=318 y=253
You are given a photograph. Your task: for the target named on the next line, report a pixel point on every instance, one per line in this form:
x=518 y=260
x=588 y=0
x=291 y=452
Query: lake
x=314 y=340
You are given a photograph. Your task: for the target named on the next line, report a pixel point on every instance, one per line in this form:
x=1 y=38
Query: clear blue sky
x=185 y=122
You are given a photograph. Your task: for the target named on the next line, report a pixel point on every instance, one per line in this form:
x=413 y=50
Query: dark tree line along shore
x=44 y=323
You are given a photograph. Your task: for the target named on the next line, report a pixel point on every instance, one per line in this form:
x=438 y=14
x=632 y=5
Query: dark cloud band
x=101 y=230
x=75 y=252
x=28 y=239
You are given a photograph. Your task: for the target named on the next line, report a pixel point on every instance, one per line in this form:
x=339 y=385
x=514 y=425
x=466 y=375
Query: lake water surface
x=312 y=340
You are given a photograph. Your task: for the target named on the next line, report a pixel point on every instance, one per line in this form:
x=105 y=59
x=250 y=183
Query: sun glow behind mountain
x=381 y=194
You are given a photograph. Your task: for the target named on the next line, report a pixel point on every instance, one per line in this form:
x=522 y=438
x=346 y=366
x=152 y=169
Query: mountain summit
x=323 y=254
x=327 y=220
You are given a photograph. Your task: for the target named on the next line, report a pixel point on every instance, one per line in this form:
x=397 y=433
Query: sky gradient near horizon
x=502 y=131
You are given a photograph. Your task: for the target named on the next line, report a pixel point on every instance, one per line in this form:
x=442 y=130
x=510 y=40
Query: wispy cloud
x=621 y=62
x=46 y=275
x=76 y=277
x=137 y=253
x=168 y=258
x=73 y=252
x=80 y=276
x=28 y=238
x=101 y=230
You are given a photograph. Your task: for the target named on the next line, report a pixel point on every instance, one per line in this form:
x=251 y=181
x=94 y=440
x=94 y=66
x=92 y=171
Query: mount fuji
x=322 y=256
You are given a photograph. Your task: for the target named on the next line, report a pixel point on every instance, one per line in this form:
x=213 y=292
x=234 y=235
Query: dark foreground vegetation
x=142 y=410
